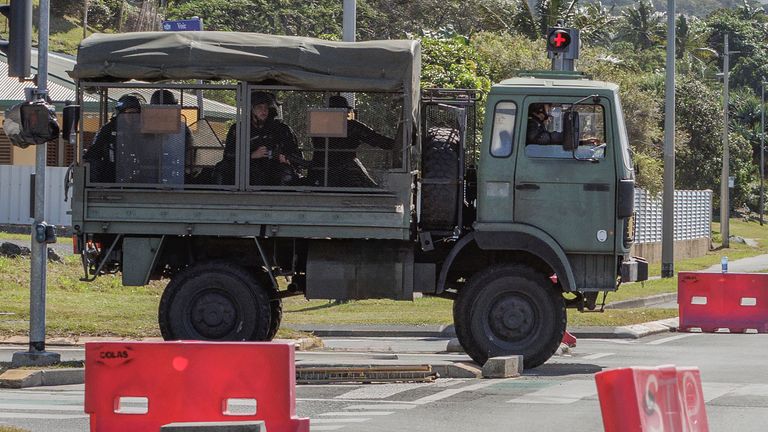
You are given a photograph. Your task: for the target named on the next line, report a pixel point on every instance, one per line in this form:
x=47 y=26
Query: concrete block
x=503 y=367
x=457 y=370
x=63 y=376
x=454 y=346
x=234 y=426
x=21 y=378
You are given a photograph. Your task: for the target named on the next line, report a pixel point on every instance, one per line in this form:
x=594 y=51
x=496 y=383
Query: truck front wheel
x=510 y=310
x=215 y=301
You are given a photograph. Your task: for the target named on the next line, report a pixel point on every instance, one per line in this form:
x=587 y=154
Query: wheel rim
x=512 y=318
x=213 y=314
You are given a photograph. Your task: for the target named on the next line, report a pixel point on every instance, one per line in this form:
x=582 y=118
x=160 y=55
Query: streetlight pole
x=668 y=206
x=762 y=149
x=724 y=192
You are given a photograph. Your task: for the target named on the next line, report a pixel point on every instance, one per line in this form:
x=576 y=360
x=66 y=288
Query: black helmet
x=164 y=97
x=338 y=101
x=128 y=101
x=260 y=97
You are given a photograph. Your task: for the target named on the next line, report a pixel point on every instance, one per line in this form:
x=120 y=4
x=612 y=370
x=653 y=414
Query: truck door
x=572 y=200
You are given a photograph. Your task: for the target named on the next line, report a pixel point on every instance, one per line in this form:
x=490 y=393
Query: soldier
x=273 y=146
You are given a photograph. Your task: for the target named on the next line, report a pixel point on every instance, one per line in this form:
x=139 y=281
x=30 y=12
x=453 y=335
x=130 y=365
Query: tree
x=596 y=23
x=533 y=23
x=642 y=26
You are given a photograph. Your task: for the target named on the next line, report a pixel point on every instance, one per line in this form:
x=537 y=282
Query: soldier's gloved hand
x=282 y=159
x=259 y=153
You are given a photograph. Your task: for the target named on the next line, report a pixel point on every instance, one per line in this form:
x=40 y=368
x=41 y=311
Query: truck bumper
x=634 y=269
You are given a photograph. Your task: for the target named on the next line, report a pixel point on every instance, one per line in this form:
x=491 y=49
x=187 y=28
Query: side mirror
x=571 y=130
x=71 y=117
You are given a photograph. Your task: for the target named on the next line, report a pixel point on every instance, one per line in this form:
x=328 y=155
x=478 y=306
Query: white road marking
x=378 y=407
x=563 y=393
x=19 y=407
x=326 y=427
x=338 y=420
x=381 y=391
x=752 y=390
x=41 y=416
x=596 y=356
x=670 y=339
x=352 y=414
x=451 y=392
x=372 y=401
x=713 y=391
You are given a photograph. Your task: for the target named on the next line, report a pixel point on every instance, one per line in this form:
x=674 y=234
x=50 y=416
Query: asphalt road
x=558 y=395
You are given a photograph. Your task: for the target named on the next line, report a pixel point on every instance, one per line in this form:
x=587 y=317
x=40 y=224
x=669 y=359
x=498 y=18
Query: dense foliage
x=472 y=43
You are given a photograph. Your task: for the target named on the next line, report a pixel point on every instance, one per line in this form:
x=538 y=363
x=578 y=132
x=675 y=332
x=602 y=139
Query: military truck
x=457 y=204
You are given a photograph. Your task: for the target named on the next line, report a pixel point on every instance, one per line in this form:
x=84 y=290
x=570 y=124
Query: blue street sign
x=194 y=24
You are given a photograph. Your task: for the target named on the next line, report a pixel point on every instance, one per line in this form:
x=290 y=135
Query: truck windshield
x=545 y=132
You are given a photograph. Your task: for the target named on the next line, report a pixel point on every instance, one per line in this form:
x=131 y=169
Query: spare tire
x=440 y=179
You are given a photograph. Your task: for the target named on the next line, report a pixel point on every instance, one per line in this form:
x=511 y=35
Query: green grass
x=12 y=429
x=106 y=308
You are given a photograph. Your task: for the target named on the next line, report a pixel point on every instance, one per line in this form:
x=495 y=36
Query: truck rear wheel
x=440 y=164
x=510 y=310
x=216 y=301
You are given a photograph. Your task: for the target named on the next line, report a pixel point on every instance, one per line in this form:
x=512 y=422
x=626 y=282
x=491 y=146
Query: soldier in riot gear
x=274 y=152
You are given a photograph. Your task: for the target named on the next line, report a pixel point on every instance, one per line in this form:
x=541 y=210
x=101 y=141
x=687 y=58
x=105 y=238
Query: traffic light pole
x=37 y=356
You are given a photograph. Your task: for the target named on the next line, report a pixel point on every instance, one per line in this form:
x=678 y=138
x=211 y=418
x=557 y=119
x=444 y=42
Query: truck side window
x=503 y=129
x=545 y=137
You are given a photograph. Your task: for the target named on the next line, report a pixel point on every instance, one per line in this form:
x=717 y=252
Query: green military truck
x=437 y=195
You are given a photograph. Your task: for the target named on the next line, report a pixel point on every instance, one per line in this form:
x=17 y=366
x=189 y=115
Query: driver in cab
x=537 y=133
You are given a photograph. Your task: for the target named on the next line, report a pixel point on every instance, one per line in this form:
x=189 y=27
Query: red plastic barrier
x=712 y=301
x=143 y=385
x=643 y=399
x=569 y=339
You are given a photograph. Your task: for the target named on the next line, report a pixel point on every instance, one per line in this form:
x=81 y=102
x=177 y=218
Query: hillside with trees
x=473 y=43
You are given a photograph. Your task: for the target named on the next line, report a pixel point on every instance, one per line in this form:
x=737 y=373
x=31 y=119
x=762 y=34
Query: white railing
x=693 y=215
x=15 y=196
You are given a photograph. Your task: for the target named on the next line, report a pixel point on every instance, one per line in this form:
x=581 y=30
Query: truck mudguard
x=516 y=238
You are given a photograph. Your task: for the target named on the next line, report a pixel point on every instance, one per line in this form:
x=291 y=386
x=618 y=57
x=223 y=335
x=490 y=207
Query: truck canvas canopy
x=307 y=63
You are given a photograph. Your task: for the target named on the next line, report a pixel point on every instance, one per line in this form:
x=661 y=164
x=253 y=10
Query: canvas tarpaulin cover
x=307 y=63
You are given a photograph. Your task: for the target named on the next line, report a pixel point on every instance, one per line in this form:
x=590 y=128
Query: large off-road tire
x=440 y=163
x=217 y=301
x=276 y=315
x=510 y=310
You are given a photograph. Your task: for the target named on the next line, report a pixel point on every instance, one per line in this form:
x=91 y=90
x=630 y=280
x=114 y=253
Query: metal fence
x=15 y=196
x=693 y=216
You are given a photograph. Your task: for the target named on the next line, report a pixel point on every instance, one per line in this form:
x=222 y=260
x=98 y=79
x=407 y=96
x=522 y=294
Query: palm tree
x=533 y=22
x=643 y=25
x=596 y=23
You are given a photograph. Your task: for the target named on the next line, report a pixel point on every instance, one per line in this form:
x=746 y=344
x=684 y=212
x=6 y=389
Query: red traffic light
x=559 y=40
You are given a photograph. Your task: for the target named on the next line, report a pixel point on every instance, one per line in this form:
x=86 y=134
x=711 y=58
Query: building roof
x=60 y=87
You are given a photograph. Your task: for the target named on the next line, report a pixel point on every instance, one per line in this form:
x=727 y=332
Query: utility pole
x=762 y=148
x=724 y=192
x=668 y=207
x=85 y=19
x=348 y=34
x=37 y=356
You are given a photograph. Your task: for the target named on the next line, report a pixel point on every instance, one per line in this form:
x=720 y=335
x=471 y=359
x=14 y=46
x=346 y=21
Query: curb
x=323 y=330
x=448 y=332
x=301 y=344
x=635 y=331
x=643 y=302
x=23 y=378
